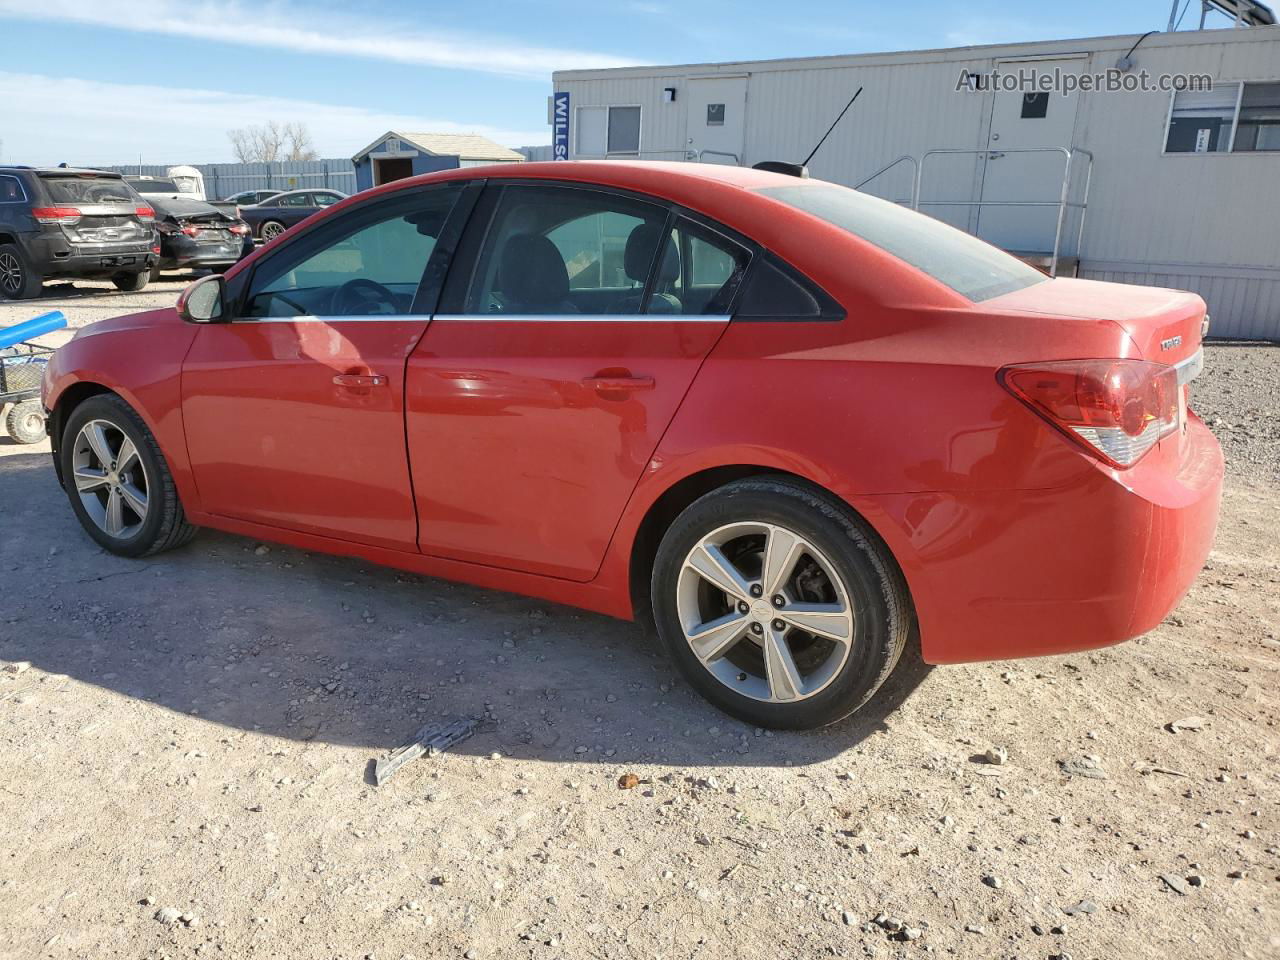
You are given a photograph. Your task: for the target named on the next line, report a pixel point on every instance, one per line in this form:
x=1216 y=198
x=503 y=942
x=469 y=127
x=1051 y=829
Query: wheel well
x=669 y=506
x=70 y=398
x=6 y=238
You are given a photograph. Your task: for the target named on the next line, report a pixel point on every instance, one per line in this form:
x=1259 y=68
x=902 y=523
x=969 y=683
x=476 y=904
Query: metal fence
x=222 y=180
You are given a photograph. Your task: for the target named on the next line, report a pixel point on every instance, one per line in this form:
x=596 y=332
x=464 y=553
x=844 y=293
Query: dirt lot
x=196 y=731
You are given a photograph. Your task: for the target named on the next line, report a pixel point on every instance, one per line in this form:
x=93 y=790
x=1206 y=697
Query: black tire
x=25 y=422
x=155 y=275
x=883 y=618
x=271 y=229
x=18 y=280
x=165 y=525
x=131 y=282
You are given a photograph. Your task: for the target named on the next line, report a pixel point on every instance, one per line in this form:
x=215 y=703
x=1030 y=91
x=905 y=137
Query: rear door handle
x=360 y=380
x=619 y=384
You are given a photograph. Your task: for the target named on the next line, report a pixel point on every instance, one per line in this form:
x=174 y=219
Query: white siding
x=1207 y=222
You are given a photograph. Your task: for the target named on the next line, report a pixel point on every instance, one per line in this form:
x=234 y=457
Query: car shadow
x=317 y=648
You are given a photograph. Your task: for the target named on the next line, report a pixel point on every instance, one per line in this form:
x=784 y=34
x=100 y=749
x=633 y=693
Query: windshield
x=156 y=186
x=88 y=190
x=969 y=266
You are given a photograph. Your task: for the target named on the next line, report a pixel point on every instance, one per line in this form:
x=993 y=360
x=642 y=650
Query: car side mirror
x=202 y=301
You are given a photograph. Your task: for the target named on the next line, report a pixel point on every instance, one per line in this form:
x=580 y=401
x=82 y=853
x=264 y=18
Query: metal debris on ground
x=429 y=740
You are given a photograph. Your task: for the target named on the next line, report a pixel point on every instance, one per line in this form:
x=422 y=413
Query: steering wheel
x=362 y=297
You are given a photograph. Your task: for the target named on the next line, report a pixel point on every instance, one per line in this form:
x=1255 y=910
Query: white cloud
x=309 y=30
x=55 y=119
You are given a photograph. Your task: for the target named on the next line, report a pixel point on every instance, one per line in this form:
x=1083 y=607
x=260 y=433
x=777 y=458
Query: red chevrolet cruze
x=796 y=425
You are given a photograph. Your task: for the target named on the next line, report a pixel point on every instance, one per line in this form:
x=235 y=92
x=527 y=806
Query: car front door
x=294 y=410
x=561 y=351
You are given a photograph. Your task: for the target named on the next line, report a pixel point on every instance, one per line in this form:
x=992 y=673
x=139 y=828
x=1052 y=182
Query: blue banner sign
x=560 y=127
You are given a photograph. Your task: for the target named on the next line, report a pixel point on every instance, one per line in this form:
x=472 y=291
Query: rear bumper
x=1029 y=573
x=60 y=259
x=186 y=252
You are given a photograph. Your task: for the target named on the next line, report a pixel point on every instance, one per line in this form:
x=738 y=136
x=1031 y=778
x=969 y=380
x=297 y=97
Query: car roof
x=68 y=171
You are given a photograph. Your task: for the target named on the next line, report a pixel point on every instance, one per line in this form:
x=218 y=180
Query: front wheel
x=25 y=422
x=118 y=482
x=778 y=604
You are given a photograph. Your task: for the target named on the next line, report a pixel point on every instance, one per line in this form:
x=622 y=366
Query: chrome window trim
x=1190 y=368
x=576 y=318
x=311 y=318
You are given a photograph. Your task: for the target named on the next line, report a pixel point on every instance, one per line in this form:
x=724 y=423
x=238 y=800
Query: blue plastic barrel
x=45 y=323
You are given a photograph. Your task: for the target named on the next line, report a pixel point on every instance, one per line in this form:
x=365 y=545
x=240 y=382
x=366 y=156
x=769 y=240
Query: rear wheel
x=131 y=282
x=25 y=422
x=18 y=281
x=118 y=482
x=778 y=604
x=271 y=229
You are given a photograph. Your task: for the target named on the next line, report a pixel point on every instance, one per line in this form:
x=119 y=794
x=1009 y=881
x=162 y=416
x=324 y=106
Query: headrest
x=637 y=258
x=532 y=273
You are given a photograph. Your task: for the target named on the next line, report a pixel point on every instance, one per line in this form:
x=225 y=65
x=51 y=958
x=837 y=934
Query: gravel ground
x=189 y=757
x=1239 y=397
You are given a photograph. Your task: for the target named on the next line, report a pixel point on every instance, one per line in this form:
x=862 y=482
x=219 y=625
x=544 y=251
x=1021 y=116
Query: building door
x=1023 y=121
x=716 y=118
x=386 y=171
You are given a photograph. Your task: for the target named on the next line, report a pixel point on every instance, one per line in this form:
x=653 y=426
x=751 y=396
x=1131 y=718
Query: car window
x=777 y=291
x=566 y=250
x=325 y=199
x=11 y=190
x=700 y=272
x=88 y=189
x=369 y=262
x=972 y=268
x=296 y=200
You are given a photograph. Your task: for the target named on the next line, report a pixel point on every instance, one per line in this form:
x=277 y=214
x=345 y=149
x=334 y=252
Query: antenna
x=830 y=128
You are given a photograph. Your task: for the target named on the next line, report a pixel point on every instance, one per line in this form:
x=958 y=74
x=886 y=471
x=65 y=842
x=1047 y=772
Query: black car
x=195 y=234
x=279 y=213
x=65 y=222
x=247 y=198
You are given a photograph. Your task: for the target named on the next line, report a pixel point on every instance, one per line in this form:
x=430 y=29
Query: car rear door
x=557 y=359
x=294 y=410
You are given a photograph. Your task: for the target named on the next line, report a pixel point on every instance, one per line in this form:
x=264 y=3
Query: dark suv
x=63 y=222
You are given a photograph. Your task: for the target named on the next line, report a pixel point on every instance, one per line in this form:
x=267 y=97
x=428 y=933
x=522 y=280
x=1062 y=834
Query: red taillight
x=191 y=230
x=145 y=214
x=239 y=229
x=1116 y=409
x=56 y=214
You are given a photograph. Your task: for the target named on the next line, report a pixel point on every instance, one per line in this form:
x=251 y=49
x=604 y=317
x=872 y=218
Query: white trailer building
x=1161 y=187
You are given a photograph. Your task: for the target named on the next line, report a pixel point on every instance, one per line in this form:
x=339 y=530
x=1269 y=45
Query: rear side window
x=775 y=291
x=967 y=265
x=88 y=190
x=155 y=186
x=11 y=190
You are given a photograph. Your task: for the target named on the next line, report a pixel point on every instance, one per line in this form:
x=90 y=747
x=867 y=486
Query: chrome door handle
x=360 y=380
x=619 y=384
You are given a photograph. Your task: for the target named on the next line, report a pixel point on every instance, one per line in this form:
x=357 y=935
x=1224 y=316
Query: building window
x=1035 y=106
x=715 y=114
x=1232 y=117
x=603 y=131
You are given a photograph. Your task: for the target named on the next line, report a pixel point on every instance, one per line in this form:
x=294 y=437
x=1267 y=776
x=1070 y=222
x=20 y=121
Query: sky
x=162 y=81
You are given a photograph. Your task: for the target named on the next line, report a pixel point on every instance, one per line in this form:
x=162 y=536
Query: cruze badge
x=1171 y=343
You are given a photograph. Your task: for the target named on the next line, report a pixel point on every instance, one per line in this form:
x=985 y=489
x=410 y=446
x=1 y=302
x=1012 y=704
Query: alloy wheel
x=10 y=273
x=765 y=611
x=271 y=230
x=110 y=479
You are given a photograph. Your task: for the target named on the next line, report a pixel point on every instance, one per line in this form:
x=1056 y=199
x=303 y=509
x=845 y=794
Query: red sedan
x=797 y=426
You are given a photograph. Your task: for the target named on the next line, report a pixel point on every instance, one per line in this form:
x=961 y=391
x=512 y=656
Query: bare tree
x=272 y=142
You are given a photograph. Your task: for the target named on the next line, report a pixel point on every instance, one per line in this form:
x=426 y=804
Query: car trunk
x=1165 y=325
x=97 y=212
x=200 y=221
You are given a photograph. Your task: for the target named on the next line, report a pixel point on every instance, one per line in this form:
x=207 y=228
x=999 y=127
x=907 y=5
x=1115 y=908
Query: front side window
x=969 y=266
x=565 y=250
x=368 y=263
